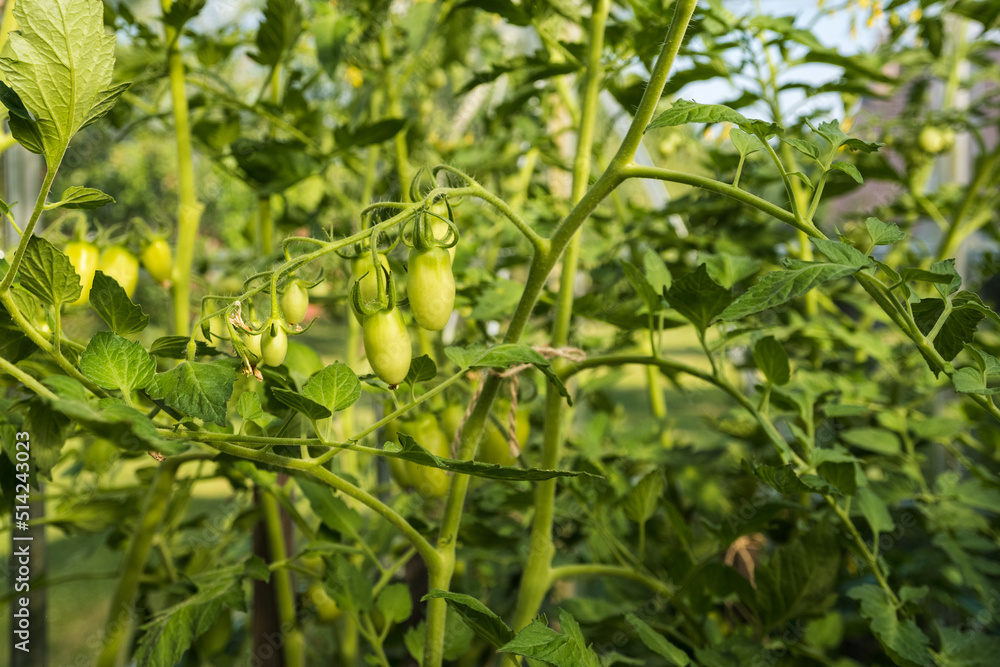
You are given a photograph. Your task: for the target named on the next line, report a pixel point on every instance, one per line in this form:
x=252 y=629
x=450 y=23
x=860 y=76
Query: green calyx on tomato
x=83 y=255
x=364 y=275
x=295 y=302
x=118 y=263
x=158 y=260
x=274 y=344
x=387 y=343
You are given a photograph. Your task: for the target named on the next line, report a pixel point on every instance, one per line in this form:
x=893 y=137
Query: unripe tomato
x=157 y=259
x=363 y=270
x=398 y=468
x=431 y=287
x=253 y=342
x=274 y=346
x=438 y=78
x=428 y=482
x=118 y=263
x=314 y=564
x=387 y=345
x=932 y=140
x=327 y=610
x=216 y=637
x=84 y=257
x=294 y=302
x=495 y=447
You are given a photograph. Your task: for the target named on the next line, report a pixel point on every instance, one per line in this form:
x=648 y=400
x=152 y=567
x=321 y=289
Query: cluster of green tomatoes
x=430 y=289
x=118 y=262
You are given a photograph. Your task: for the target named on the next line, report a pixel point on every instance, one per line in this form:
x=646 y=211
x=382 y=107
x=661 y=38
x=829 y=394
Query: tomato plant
x=567 y=333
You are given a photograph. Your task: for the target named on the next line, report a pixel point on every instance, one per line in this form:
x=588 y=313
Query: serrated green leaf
x=841 y=253
x=771 y=359
x=924 y=276
x=332 y=511
x=58 y=62
x=779 y=287
x=410 y=450
x=642 y=286
x=296 y=401
x=395 y=603
x=657 y=643
x=111 y=302
x=848 y=169
x=422 y=369
x=642 y=500
x=971 y=381
x=689 y=111
x=112 y=362
x=174 y=630
x=947 y=266
x=746 y=144
x=48 y=274
x=656 y=271
x=875 y=440
x=698 y=298
x=905 y=643
x=727 y=270
x=807 y=148
x=959 y=327
x=82 y=198
x=249 y=408
x=331 y=33
x=175 y=347
x=798 y=579
x=986 y=362
x=197 y=389
x=883 y=233
x=479 y=618
x=349 y=588
x=278 y=32
x=875 y=511
x=366 y=135
x=504 y=355
x=336 y=387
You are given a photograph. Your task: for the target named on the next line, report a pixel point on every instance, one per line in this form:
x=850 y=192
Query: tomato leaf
x=336 y=387
x=657 y=642
x=698 y=298
x=349 y=588
x=59 y=63
x=48 y=274
x=848 y=169
x=278 y=32
x=779 y=287
x=422 y=368
x=905 y=643
x=82 y=198
x=409 y=450
x=771 y=359
x=306 y=406
x=175 y=347
x=480 y=619
x=197 y=389
x=883 y=233
x=540 y=642
x=111 y=302
x=112 y=362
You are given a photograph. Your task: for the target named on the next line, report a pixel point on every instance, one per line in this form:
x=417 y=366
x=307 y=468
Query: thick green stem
x=36 y=212
x=294 y=646
x=120 y=617
x=188 y=208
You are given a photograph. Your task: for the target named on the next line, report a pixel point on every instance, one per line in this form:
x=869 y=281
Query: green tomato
x=274 y=345
x=327 y=610
x=158 y=260
x=398 y=468
x=253 y=342
x=118 y=263
x=431 y=288
x=363 y=271
x=84 y=257
x=428 y=482
x=214 y=639
x=933 y=140
x=452 y=418
x=387 y=345
x=294 y=302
